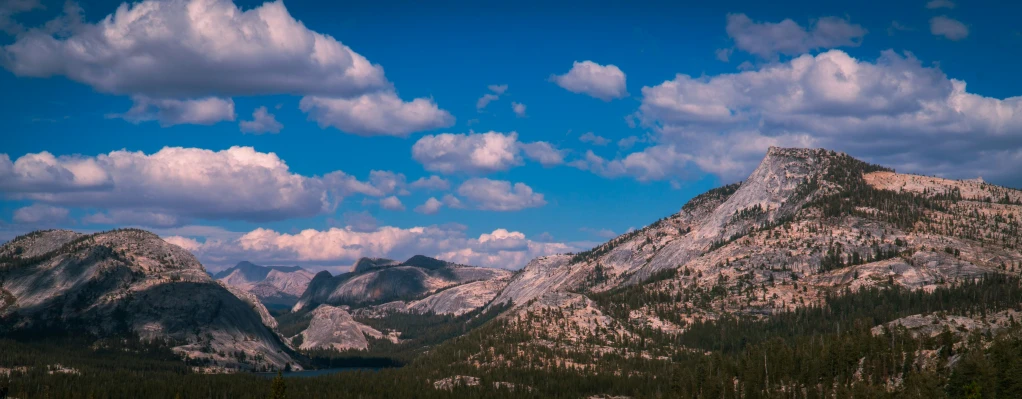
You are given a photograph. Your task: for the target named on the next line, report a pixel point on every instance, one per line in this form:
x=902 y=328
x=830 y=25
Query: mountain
x=806 y=229
x=131 y=283
x=334 y=310
x=273 y=285
x=374 y=281
x=803 y=214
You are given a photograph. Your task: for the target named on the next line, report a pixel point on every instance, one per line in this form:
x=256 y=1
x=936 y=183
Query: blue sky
x=880 y=81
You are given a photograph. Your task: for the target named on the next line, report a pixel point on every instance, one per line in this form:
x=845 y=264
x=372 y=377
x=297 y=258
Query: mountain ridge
x=278 y=286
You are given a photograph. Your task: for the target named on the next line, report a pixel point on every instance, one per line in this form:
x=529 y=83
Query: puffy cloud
x=519 y=109
x=589 y=137
x=388 y=182
x=40 y=214
x=469 y=153
x=431 y=206
x=238 y=183
x=500 y=195
x=892 y=111
x=382 y=113
x=949 y=28
x=125 y=217
x=262 y=122
x=453 y=202
x=46 y=173
x=934 y=4
x=182 y=60
x=189 y=244
x=478 y=153
x=768 y=39
x=544 y=153
x=197 y=48
x=342 y=246
x=434 y=182
x=392 y=203
x=170 y=112
x=587 y=77
x=661 y=162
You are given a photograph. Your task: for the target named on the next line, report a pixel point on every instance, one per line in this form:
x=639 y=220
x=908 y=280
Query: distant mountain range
x=378 y=287
x=376 y=281
x=275 y=286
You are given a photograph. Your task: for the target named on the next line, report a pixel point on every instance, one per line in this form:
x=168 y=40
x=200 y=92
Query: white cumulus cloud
x=500 y=195
x=170 y=112
x=431 y=206
x=433 y=182
x=892 y=111
x=183 y=60
x=392 y=203
x=196 y=48
x=544 y=153
x=374 y=114
x=469 y=153
x=262 y=122
x=479 y=153
x=587 y=77
x=238 y=183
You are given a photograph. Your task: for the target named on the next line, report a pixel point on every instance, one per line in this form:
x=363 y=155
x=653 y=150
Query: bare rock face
x=273 y=285
x=456 y=300
x=381 y=280
x=783 y=182
x=934 y=324
x=334 y=328
x=131 y=282
x=253 y=301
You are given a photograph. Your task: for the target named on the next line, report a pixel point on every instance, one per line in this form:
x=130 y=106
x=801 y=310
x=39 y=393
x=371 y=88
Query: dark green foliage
x=278 y=389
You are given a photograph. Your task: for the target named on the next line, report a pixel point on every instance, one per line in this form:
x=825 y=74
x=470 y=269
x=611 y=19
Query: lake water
x=319 y=372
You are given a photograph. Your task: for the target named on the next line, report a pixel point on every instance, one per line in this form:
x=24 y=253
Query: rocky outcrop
x=334 y=328
x=131 y=283
x=934 y=324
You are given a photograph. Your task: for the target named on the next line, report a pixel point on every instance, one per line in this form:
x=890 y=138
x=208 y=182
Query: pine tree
x=278 y=389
